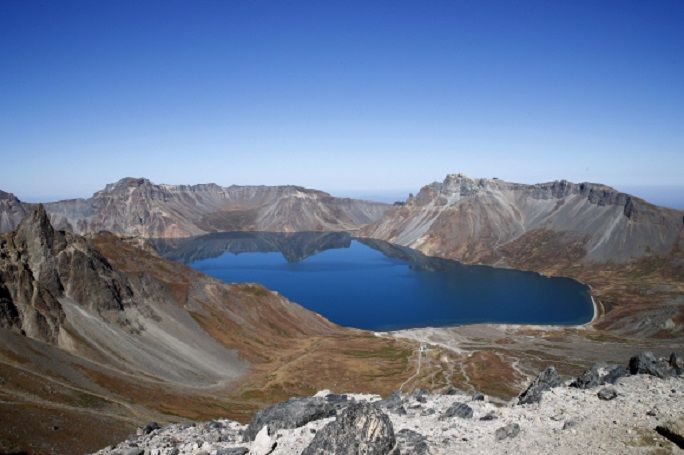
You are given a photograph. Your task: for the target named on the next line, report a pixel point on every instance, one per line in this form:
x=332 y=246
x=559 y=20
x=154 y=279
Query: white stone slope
x=566 y=421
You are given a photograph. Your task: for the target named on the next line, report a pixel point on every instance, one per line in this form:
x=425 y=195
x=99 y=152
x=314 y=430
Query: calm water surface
x=378 y=286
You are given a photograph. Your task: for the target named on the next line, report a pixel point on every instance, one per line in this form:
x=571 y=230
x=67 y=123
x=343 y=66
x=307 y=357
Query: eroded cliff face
x=41 y=267
x=474 y=220
x=138 y=207
x=12 y=211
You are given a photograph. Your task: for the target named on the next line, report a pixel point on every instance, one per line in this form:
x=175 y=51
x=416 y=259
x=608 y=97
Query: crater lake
x=374 y=285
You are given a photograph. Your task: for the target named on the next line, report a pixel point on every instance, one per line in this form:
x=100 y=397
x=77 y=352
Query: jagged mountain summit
x=488 y=220
x=138 y=207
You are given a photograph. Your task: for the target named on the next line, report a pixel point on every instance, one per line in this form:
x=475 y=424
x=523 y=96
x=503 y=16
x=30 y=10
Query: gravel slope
x=567 y=420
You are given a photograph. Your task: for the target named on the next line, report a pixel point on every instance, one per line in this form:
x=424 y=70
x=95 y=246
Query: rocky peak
x=39 y=266
x=125 y=185
x=36 y=230
x=5 y=196
x=463 y=185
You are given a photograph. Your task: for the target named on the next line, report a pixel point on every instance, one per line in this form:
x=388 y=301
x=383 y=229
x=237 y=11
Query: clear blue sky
x=351 y=97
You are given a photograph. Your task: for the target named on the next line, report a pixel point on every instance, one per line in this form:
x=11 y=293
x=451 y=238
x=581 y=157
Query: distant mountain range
x=488 y=220
x=138 y=207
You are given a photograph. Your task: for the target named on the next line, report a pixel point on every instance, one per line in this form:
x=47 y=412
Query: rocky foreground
x=607 y=409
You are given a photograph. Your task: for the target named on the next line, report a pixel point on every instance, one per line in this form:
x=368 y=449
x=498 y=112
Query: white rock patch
x=567 y=421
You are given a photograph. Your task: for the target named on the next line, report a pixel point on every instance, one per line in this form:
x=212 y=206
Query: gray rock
x=590 y=378
x=150 y=427
x=647 y=363
x=412 y=442
x=451 y=390
x=233 y=451
x=393 y=403
x=338 y=400
x=607 y=393
x=361 y=428
x=546 y=380
x=399 y=411
x=509 y=431
x=292 y=413
x=478 y=397
x=461 y=410
x=420 y=395
x=676 y=363
x=488 y=417
x=614 y=373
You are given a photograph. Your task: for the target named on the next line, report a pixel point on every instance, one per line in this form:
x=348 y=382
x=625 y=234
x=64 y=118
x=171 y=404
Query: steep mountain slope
x=475 y=219
x=93 y=329
x=57 y=288
x=629 y=251
x=141 y=208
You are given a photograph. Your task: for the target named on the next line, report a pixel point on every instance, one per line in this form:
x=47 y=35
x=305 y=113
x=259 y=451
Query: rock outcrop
x=41 y=269
x=546 y=380
x=292 y=413
x=138 y=207
x=647 y=363
x=360 y=429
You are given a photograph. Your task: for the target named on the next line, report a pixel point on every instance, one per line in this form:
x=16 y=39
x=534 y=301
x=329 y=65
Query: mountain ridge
x=138 y=207
x=473 y=218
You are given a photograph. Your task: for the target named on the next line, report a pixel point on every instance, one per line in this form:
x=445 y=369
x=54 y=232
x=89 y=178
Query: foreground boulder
x=361 y=429
x=590 y=378
x=599 y=375
x=647 y=363
x=546 y=380
x=412 y=442
x=461 y=410
x=292 y=413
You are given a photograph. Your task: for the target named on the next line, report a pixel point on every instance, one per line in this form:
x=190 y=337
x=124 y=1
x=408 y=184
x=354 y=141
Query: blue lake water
x=378 y=286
